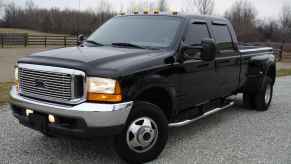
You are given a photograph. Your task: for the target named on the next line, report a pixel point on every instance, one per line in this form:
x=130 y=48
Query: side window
x=223 y=37
x=196 y=33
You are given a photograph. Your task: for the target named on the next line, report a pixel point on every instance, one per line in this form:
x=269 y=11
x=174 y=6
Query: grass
x=284 y=72
x=30 y=32
x=4 y=92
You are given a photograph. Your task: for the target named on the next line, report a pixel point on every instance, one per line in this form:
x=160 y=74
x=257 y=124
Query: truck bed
x=251 y=49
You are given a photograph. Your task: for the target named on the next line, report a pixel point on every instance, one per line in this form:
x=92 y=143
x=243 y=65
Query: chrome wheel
x=142 y=134
x=268 y=93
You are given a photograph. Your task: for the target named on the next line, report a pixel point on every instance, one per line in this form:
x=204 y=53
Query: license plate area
x=38 y=121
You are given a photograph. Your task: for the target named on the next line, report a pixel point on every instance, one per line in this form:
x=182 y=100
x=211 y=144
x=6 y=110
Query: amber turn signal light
x=105 y=97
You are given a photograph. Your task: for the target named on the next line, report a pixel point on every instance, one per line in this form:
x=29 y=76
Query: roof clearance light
x=156 y=12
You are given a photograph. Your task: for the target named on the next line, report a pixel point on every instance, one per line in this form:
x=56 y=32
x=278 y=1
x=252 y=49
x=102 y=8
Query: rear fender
x=258 y=68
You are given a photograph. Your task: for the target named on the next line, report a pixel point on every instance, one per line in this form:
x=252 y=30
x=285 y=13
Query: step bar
x=186 y=122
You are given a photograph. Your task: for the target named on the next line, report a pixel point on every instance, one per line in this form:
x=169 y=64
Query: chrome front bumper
x=95 y=115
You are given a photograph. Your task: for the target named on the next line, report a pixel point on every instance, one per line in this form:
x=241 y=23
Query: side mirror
x=81 y=39
x=208 y=50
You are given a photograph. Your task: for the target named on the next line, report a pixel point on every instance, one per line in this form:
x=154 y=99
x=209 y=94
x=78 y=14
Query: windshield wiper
x=94 y=42
x=128 y=45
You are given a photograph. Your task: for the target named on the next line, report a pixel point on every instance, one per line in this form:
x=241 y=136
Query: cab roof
x=182 y=15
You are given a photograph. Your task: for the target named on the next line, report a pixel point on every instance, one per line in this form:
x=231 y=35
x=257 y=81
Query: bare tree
x=135 y=6
x=269 y=30
x=103 y=6
x=142 y=5
x=204 y=7
x=1 y=8
x=285 y=22
x=162 y=5
x=52 y=20
x=243 y=14
x=30 y=5
x=285 y=19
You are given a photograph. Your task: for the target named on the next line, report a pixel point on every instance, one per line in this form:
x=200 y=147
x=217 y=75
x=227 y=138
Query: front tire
x=145 y=134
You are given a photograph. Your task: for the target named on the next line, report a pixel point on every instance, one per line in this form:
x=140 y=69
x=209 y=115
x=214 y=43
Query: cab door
x=198 y=78
x=227 y=59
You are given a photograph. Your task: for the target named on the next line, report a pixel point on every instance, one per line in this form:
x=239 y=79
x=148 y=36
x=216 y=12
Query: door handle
x=223 y=61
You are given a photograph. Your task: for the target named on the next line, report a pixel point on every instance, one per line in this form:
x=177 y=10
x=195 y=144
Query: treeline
x=54 y=20
x=249 y=28
x=67 y=21
x=242 y=14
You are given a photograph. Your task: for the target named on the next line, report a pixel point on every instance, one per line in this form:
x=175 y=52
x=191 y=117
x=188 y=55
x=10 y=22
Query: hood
x=99 y=61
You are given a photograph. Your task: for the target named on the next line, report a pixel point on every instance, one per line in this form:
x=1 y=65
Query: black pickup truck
x=137 y=75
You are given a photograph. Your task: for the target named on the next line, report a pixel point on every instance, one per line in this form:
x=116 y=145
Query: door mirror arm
x=81 y=39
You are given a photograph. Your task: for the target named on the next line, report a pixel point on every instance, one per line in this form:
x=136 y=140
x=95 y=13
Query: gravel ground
x=236 y=135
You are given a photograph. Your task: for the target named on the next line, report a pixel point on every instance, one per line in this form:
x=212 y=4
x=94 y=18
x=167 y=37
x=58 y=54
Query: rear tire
x=145 y=134
x=262 y=99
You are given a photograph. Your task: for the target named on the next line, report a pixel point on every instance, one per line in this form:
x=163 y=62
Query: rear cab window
x=223 y=37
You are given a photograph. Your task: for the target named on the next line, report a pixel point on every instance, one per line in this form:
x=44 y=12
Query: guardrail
x=13 y=39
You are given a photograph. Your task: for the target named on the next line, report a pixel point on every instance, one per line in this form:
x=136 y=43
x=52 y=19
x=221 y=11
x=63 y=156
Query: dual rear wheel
x=262 y=99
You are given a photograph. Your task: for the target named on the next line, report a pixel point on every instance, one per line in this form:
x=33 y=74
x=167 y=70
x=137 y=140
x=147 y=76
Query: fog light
x=51 y=118
x=28 y=112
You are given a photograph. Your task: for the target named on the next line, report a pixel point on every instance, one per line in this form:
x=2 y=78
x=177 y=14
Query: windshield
x=142 y=31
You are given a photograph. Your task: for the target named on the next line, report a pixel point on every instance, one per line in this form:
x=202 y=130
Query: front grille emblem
x=39 y=83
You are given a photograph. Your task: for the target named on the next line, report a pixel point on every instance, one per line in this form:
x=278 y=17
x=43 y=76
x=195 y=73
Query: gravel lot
x=236 y=135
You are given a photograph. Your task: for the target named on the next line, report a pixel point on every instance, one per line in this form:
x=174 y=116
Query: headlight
x=101 y=89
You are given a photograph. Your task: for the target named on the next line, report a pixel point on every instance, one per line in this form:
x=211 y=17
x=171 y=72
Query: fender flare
x=259 y=68
x=154 y=82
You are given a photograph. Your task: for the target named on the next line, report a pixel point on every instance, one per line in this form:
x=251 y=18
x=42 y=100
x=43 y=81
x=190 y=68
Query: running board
x=186 y=122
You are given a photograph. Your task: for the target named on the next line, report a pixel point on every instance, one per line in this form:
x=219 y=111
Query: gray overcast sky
x=265 y=8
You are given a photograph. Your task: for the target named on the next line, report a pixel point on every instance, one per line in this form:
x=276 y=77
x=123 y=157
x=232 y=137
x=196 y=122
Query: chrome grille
x=50 y=83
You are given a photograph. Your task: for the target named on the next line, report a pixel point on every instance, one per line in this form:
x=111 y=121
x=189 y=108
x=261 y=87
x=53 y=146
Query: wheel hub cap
x=268 y=94
x=142 y=134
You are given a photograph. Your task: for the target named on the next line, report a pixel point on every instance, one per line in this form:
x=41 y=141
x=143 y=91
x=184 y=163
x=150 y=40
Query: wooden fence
x=13 y=39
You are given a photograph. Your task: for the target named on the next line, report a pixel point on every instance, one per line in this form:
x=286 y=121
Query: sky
x=266 y=8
